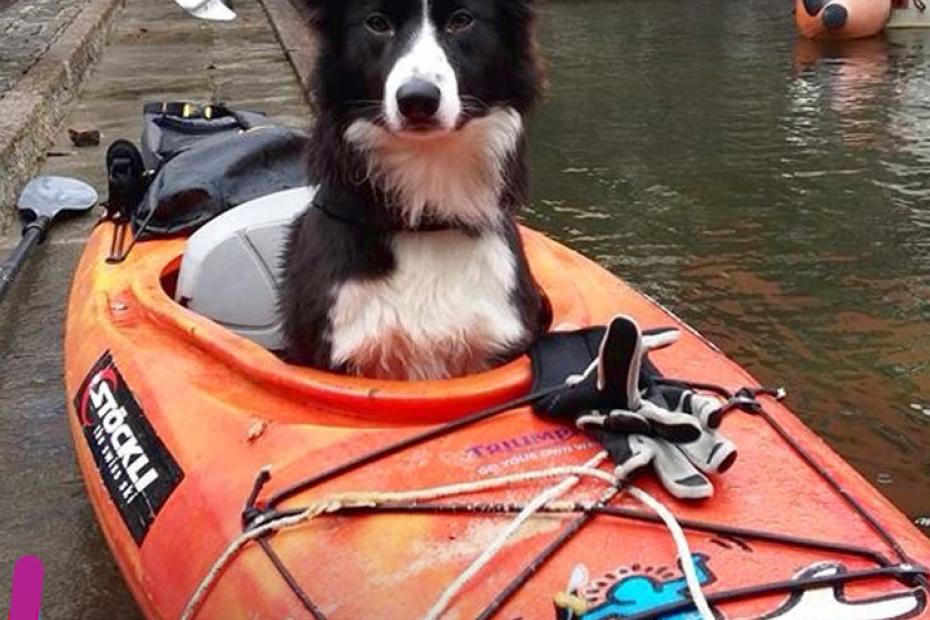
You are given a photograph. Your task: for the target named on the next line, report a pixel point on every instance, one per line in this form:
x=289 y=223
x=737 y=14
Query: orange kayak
x=174 y=418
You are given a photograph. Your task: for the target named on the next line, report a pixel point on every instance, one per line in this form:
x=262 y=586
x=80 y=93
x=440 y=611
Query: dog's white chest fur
x=445 y=310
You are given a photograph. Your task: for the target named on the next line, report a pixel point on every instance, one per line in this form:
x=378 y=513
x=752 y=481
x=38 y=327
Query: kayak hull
x=174 y=417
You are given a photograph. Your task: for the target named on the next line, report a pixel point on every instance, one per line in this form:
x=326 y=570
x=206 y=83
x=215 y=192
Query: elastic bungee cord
x=258 y=523
x=371 y=499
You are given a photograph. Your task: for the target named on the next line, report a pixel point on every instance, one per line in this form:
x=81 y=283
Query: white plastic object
x=231 y=268
x=211 y=10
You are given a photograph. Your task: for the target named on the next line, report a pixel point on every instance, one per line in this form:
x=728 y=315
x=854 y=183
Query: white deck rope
x=681 y=544
x=572 y=475
x=340 y=501
x=549 y=495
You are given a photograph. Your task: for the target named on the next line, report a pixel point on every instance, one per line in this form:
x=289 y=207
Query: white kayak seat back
x=231 y=268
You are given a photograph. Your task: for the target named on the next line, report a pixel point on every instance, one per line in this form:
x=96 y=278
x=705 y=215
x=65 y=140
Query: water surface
x=773 y=192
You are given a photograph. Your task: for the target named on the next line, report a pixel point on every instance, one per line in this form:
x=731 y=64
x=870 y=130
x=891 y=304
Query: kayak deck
x=223 y=408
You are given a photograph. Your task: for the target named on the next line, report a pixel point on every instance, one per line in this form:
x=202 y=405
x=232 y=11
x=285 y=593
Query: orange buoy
x=841 y=19
x=174 y=416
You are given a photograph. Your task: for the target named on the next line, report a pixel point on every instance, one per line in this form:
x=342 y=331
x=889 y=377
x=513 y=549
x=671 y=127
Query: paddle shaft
x=10 y=268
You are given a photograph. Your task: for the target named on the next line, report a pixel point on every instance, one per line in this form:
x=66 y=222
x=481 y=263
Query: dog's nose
x=418 y=100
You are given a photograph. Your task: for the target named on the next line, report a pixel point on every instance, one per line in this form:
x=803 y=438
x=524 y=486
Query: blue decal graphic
x=638 y=593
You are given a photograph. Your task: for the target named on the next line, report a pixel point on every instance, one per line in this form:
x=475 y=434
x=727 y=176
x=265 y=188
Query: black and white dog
x=409 y=264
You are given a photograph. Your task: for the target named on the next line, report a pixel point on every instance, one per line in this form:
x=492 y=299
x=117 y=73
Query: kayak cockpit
x=149 y=280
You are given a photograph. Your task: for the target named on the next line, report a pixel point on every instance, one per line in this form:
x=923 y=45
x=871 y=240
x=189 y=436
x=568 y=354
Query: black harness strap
x=186 y=109
x=347 y=206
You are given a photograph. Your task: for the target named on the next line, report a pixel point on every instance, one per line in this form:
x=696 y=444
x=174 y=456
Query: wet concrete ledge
x=31 y=112
x=292 y=27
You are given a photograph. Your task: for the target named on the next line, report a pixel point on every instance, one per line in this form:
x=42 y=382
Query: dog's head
x=424 y=68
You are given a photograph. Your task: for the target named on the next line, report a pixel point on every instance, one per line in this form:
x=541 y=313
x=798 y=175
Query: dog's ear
x=523 y=8
x=322 y=12
x=523 y=17
x=520 y=16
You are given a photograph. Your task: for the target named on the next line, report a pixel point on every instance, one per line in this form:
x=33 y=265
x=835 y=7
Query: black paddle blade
x=47 y=196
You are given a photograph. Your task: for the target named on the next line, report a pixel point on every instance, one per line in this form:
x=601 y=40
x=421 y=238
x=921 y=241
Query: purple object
x=26 y=599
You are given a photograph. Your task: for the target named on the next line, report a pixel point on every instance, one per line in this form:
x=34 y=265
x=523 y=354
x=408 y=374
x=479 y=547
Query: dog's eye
x=460 y=21
x=379 y=24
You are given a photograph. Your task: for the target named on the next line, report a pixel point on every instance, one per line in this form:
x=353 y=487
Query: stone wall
x=27 y=29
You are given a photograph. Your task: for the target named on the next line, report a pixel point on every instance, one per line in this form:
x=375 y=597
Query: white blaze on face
x=456 y=175
x=424 y=60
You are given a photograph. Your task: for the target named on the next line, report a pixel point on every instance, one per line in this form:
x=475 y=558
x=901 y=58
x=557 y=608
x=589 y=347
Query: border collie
x=409 y=265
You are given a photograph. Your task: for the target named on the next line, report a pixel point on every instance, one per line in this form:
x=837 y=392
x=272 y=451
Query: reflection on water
x=773 y=191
